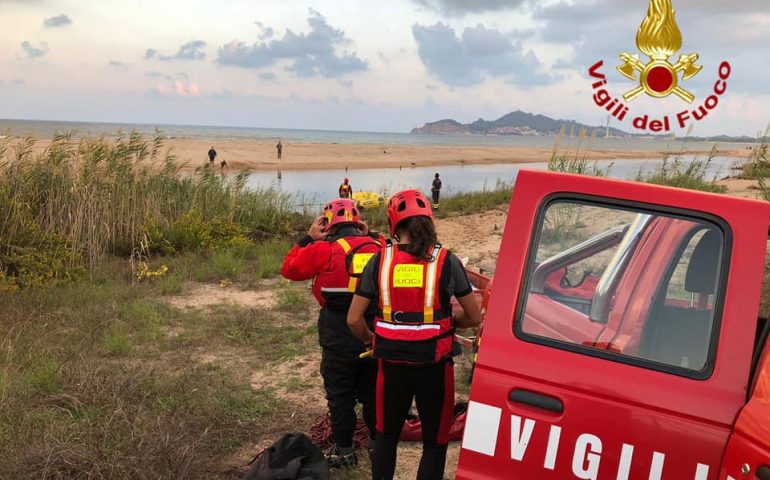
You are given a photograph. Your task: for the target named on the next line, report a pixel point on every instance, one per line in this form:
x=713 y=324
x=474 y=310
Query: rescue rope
x=321 y=433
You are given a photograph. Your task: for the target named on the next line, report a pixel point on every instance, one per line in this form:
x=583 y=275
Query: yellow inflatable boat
x=367 y=199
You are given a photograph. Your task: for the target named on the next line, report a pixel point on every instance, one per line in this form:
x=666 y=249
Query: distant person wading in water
x=436 y=190
x=212 y=155
x=346 y=191
x=279 y=149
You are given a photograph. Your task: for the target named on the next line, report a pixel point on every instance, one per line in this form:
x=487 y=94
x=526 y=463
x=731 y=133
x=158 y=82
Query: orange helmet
x=339 y=211
x=406 y=204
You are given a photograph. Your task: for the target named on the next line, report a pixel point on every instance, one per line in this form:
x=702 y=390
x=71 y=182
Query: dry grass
x=102 y=378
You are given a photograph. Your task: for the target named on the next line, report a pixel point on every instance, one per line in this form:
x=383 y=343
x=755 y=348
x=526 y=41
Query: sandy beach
x=261 y=155
x=253 y=155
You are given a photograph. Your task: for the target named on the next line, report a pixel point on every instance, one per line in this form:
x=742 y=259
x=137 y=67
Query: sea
x=46 y=129
x=312 y=187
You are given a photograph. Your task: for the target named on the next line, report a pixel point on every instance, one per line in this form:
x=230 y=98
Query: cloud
x=153 y=74
x=18 y=81
x=463 y=61
x=716 y=30
x=117 y=64
x=223 y=95
x=189 y=51
x=268 y=76
x=57 y=21
x=176 y=88
x=462 y=7
x=311 y=54
x=33 y=51
x=265 y=32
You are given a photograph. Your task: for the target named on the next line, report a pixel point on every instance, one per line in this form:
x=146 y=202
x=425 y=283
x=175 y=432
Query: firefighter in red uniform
x=412 y=283
x=334 y=253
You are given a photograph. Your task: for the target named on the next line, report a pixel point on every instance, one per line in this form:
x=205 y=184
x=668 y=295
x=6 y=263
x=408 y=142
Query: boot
x=338 y=457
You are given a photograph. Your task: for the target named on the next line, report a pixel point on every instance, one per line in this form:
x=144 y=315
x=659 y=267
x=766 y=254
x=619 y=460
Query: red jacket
x=325 y=262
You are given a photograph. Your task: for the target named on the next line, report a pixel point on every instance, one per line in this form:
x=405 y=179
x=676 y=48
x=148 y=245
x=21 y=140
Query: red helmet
x=345 y=181
x=405 y=204
x=339 y=211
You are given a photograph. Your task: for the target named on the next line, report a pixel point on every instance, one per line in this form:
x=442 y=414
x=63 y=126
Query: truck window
x=635 y=285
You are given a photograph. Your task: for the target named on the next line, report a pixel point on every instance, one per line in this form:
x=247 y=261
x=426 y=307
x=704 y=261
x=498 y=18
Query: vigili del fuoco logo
x=659 y=39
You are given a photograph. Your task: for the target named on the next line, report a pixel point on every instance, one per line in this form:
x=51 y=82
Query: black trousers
x=432 y=387
x=347 y=382
x=436 y=194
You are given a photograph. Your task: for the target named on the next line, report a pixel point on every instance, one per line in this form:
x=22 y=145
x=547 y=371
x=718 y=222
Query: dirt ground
x=474 y=238
x=296 y=382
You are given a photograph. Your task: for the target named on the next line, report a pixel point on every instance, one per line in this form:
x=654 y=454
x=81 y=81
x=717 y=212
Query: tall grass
x=757 y=166
x=576 y=161
x=79 y=201
x=693 y=176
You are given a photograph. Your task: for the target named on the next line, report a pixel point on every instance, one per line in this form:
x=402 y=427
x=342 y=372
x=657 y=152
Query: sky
x=361 y=65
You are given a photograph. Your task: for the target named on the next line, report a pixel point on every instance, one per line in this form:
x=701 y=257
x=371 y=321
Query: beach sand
x=261 y=155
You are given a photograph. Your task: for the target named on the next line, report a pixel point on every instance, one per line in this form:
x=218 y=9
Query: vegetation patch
x=680 y=174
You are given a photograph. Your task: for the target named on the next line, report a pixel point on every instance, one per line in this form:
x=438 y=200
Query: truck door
x=748 y=452
x=641 y=372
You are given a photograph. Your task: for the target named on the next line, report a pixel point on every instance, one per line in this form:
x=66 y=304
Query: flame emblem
x=659 y=38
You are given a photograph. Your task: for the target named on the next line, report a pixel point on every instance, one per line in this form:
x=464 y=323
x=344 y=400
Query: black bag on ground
x=293 y=457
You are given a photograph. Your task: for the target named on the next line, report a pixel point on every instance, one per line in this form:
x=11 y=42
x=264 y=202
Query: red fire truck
x=622 y=339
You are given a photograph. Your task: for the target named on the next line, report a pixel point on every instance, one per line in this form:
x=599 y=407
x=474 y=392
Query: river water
x=313 y=187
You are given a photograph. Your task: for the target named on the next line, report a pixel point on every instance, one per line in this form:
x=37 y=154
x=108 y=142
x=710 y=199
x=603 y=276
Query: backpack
x=292 y=457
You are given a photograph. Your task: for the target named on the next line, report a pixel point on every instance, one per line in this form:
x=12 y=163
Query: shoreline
x=315 y=156
x=259 y=155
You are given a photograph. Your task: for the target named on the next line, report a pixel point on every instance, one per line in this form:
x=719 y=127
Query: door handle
x=538 y=400
x=763 y=473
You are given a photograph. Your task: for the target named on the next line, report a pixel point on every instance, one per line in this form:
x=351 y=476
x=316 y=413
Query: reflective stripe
x=336 y=290
x=352 y=283
x=344 y=244
x=385 y=283
x=430 y=287
x=394 y=326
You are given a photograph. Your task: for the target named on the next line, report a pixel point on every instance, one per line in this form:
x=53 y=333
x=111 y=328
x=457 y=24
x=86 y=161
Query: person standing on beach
x=334 y=253
x=345 y=191
x=435 y=190
x=279 y=149
x=212 y=155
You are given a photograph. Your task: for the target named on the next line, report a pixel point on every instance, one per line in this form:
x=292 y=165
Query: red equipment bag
x=412 y=431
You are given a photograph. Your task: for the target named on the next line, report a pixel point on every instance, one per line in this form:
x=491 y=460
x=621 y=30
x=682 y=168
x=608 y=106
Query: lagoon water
x=313 y=187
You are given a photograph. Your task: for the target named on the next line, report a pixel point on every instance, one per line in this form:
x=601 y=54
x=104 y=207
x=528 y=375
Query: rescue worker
x=435 y=190
x=345 y=191
x=334 y=253
x=412 y=282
